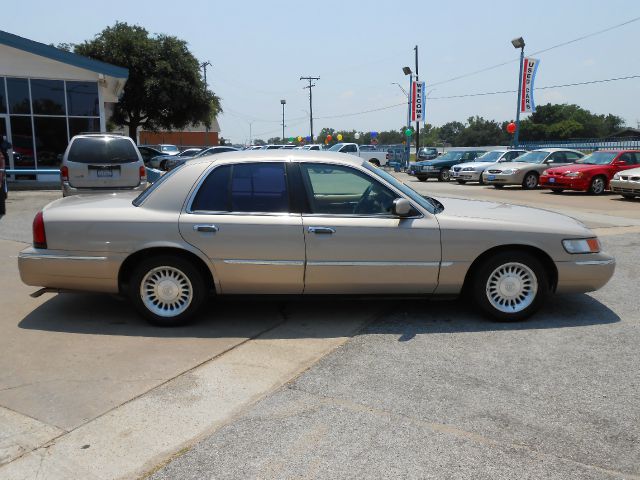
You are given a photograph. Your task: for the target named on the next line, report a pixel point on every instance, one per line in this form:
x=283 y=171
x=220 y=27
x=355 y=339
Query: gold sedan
x=300 y=222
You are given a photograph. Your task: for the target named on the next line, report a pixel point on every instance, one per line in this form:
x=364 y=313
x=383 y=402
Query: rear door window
x=102 y=150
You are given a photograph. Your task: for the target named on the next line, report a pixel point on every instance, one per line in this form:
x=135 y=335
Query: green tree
x=449 y=132
x=480 y=132
x=165 y=88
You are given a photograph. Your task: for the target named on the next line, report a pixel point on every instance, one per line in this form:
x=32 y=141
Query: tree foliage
x=165 y=89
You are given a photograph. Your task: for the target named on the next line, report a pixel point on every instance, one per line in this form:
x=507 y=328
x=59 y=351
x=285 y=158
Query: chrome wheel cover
x=531 y=181
x=597 y=186
x=511 y=287
x=166 y=291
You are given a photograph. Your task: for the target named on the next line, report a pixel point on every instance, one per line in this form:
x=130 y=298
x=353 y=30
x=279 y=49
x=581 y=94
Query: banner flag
x=529 y=69
x=417 y=101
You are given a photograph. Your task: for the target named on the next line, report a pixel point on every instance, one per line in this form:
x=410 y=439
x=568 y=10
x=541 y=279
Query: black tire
x=479 y=284
x=628 y=196
x=163 y=165
x=481 y=180
x=186 y=268
x=598 y=185
x=557 y=190
x=422 y=179
x=444 y=175
x=374 y=161
x=461 y=182
x=3 y=203
x=498 y=186
x=530 y=181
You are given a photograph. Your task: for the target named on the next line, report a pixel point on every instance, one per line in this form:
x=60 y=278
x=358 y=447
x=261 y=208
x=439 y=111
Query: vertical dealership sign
x=529 y=68
x=417 y=101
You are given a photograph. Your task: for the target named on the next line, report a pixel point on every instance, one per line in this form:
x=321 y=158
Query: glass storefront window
x=3 y=97
x=82 y=99
x=47 y=97
x=79 y=125
x=18 y=90
x=51 y=140
x=22 y=140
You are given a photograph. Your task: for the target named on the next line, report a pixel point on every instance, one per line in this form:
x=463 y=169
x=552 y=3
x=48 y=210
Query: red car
x=591 y=173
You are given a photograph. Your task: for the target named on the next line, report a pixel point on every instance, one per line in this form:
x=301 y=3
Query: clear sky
x=260 y=49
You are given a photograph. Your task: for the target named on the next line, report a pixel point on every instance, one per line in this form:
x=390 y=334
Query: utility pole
x=311 y=85
x=204 y=66
x=283 y=102
x=417 y=122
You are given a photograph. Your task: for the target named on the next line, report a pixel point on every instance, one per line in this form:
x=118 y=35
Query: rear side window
x=246 y=187
x=101 y=150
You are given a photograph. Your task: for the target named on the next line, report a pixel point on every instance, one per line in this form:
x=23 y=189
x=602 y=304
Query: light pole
x=250 y=139
x=518 y=43
x=283 y=102
x=204 y=66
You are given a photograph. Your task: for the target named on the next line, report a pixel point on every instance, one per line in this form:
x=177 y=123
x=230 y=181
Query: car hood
x=506 y=217
x=474 y=164
x=518 y=165
x=576 y=168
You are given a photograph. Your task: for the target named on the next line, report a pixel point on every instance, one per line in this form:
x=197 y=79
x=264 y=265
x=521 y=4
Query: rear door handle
x=206 y=228
x=322 y=230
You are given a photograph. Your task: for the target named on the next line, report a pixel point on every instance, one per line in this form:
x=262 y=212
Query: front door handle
x=322 y=230
x=206 y=228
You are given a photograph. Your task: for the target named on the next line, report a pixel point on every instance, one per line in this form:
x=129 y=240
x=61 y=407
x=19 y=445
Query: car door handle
x=322 y=230
x=206 y=228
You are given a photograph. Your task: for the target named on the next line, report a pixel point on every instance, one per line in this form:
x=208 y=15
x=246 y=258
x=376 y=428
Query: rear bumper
x=87 y=271
x=565 y=183
x=68 y=190
x=585 y=274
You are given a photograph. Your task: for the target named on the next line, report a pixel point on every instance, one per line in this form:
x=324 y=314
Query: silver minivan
x=101 y=162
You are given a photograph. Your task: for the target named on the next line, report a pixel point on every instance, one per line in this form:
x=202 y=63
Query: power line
x=403 y=104
x=497 y=65
x=537 y=88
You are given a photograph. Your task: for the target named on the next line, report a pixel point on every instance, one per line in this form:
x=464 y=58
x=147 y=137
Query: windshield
x=532 y=157
x=490 y=156
x=598 y=158
x=450 y=156
x=427 y=203
x=336 y=147
x=170 y=148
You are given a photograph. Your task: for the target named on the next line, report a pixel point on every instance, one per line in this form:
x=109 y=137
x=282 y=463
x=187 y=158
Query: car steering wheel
x=363 y=199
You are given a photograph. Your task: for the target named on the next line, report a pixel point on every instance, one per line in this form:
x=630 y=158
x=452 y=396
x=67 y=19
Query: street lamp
x=283 y=102
x=518 y=43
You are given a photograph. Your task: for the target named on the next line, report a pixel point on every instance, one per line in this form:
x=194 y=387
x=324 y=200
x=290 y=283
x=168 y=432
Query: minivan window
x=102 y=150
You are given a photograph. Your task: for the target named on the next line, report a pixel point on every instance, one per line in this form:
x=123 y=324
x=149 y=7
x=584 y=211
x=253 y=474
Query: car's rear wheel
x=530 y=181
x=628 y=196
x=163 y=165
x=597 y=186
x=3 y=199
x=374 y=161
x=422 y=179
x=510 y=286
x=444 y=175
x=557 y=190
x=167 y=290
x=498 y=186
x=461 y=182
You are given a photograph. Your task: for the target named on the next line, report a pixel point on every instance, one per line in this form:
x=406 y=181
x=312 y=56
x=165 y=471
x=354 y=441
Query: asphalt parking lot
x=399 y=388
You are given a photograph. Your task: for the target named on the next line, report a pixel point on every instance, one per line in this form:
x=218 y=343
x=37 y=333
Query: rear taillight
x=39 y=236
x=64 y=174
x=143 y=174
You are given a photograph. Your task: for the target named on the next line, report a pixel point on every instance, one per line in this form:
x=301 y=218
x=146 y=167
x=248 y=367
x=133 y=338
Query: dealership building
x=47 y=96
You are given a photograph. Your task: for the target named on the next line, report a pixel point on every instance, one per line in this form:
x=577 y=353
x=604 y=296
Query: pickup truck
x=377 y=158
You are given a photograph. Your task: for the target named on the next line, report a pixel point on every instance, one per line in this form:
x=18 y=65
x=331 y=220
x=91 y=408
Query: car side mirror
x=619 y=163
x=401 y=207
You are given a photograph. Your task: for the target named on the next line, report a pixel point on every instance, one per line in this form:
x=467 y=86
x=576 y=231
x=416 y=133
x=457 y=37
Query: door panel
x=251 y=254
x=371 y=255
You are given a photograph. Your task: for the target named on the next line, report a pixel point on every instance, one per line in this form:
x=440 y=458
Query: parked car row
x=557 y=169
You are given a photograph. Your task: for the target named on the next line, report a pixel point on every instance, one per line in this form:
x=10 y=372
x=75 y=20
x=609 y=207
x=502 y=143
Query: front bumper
x=625 y=186
x=586 y=273
x=468 y=176
x=60 y=269
x=501 y=178
x=566 y=183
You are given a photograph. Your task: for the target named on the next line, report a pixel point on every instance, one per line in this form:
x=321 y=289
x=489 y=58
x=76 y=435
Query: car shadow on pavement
x=428 y=317
x=233 y=317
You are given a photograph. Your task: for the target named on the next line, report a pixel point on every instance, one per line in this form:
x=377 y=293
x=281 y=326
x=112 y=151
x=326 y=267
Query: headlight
x=616 y=176
x=582 y=245
x=510 y=171
x=573 y=174
x=545 y=173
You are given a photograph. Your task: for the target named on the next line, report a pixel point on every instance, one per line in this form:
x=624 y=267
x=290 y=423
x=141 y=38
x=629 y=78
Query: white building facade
x=47 y=96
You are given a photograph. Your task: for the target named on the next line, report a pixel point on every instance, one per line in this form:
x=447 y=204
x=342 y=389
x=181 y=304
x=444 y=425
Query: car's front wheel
x=509 y=286
x=422 y=179
x=461 y=182
x=167 y=290
x=557 y=190
x=530 y=181
x=628 y=196
x=597 y=186
x=444 y=175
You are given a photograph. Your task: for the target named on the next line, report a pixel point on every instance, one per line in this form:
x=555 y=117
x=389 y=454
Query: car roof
x=551 y=150
x=280 y=156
